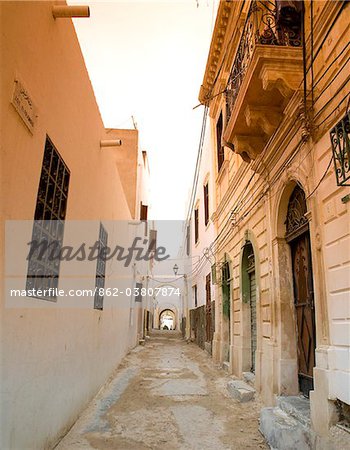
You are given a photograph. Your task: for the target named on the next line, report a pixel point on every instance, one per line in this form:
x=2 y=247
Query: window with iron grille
x=206 y=204
x=100 y=268
x=196 y=225
x=340 y=139
x=49 y=216
x=219 y=146
x=195 y=295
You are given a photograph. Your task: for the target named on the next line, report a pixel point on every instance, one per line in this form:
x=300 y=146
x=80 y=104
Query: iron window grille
x=48 y=227
x=341 y=150
x=296 y=222
x=100 y=268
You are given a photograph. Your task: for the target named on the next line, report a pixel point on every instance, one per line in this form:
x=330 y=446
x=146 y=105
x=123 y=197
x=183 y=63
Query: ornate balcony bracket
x=267 y=118
x=286 y=79
x=248 y=147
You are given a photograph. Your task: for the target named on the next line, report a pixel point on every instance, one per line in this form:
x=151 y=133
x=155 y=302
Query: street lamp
x=175 y=269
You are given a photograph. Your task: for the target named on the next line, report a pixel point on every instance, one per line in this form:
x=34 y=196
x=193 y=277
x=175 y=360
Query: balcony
x=267 y=70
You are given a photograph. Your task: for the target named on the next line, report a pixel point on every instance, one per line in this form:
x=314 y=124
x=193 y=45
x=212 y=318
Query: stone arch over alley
x=173 y=303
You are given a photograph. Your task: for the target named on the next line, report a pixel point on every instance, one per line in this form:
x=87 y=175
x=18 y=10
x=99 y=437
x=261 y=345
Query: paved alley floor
x=167 y=394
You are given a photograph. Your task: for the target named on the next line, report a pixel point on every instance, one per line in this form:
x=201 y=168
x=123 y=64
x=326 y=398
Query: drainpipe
x=66 y=12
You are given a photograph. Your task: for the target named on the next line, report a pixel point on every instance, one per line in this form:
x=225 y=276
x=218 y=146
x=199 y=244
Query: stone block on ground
x=297 y=407
x=240 y=390
x=284 y=432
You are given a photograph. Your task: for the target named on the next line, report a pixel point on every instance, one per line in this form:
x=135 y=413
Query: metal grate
x=296 y=222
x=50 y=213
x=341 y=150
x=100 y=268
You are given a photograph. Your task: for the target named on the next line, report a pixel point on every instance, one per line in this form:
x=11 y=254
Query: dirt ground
x=166 y=394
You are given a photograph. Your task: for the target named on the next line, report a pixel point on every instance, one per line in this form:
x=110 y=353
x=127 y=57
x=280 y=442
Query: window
x=207 y=290
x=340 y=139
x=206 y=204
x=225 y=275
x=219 y=146
x=196 y=223
x=152 y=245
x=188 y=240
x=143 y=212
x=195 y=296
x=49 y=216
x=144 y=215
x=138 y=294
x=100 y=268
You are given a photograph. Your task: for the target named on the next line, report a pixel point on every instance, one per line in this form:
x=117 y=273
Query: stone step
x=226 y=366
x=297 y=407
x=240 y=390
x=249 y=377
x=283 y=432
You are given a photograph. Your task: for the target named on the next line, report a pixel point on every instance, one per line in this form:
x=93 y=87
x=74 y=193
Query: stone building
x=61 y=167
x=277 y=87
x=201 y=233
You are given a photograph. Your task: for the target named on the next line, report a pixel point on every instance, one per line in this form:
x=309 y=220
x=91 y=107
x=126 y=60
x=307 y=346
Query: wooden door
x=305 y=313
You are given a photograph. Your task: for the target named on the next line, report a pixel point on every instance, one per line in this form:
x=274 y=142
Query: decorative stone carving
x=286 y=79
x=267 y=118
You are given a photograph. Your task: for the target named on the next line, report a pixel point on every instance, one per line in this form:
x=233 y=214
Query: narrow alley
x=175 y=225
x=166 y=394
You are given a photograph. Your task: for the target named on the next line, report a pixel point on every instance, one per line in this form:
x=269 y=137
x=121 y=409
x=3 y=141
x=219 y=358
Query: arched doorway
x=249 y=299
x=298 y=238
x=167 y=320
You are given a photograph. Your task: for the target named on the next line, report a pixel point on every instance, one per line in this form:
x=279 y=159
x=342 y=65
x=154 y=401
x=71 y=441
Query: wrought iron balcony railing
x=272 y=23
x=340 y=139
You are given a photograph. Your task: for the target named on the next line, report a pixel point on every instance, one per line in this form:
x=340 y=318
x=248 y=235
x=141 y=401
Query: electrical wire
x=331 y=81
x=334 y=109
x=321 y=179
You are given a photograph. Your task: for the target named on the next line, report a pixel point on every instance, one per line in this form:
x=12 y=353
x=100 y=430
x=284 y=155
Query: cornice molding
x=218 y=46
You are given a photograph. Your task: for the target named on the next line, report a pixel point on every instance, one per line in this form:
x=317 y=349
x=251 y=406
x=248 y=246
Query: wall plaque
x=24 y=105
